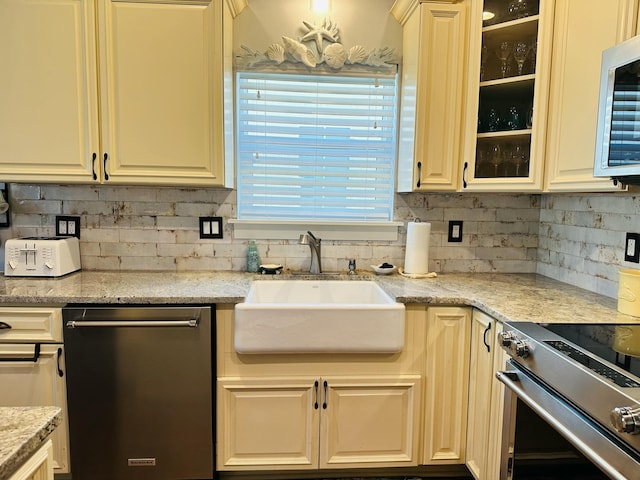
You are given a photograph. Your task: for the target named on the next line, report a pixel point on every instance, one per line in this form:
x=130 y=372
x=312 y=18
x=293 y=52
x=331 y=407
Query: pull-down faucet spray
x=314 y=245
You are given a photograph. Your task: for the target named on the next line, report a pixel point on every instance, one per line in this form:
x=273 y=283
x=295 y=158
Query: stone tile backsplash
x=578 y=239
x=582 y=238
x=147 y=228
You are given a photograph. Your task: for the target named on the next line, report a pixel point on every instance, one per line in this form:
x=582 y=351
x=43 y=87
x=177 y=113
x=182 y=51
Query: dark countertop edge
x=27 y=448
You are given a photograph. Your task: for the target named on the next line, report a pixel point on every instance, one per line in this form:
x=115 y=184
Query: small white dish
x=383 y=269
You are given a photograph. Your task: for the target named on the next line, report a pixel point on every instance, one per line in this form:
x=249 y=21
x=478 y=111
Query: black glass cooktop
x=616 y=344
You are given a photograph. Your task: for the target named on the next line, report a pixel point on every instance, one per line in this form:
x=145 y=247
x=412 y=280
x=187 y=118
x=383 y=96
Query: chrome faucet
x=314 y=245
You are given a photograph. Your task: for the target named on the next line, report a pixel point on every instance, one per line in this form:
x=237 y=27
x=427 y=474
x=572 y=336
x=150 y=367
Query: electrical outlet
x=67 y=226
x=455 y=231
x=210 y=227
x=632 y=248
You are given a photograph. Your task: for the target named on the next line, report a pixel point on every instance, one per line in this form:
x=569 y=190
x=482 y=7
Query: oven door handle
x=599 y=450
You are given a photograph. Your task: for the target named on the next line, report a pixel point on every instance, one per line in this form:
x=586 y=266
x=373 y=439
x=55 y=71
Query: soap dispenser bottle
x=253 y=258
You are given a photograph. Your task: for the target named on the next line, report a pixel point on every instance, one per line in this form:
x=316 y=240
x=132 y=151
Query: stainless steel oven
x=572 y=402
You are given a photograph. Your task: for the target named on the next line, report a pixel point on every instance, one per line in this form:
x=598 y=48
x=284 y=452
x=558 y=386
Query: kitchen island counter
x=22 y=432
x=506 y=297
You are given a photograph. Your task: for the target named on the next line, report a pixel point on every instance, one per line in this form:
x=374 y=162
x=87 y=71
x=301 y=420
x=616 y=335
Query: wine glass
x=520 y=52
x=503 y=52
x=483 y=61
x=496 y=157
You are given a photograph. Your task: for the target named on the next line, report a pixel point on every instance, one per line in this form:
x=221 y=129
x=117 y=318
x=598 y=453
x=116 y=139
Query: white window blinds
x=315 y=147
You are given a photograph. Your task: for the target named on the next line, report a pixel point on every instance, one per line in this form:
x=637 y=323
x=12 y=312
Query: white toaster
x=41 y=256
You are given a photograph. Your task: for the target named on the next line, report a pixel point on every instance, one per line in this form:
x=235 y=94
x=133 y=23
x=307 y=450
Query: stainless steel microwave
x=617 y=152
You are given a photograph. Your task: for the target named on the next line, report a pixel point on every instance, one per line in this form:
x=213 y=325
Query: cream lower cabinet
x=582 y=30
x=127 y=92
x=38 y=467
x=484 y=424
x=324 y=422
x=446 y=384
x=27 y=382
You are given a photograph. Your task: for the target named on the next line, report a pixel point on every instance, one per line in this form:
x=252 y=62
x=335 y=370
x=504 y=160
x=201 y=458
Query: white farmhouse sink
x=324 y=316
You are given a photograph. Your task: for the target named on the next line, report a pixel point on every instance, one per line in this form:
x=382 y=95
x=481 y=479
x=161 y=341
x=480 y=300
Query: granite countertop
x=22 y=431
x=507 y=297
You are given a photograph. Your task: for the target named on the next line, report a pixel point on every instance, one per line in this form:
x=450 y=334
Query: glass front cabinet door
x=509 y=71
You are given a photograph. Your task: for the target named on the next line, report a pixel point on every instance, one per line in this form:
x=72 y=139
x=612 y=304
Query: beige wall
x=361 y=22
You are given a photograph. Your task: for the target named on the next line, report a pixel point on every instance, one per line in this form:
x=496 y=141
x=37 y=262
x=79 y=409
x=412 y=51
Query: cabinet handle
x=315 y=388
x=324 y=404
x=60 y=372
x=464 y=175
x=106 y=175
x=4 y=326
x=34 y=359
x=484 y=337
x=419 y=174
x=94 y=156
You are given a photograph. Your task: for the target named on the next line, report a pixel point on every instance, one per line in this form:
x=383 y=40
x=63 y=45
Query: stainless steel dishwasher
x=139 y=387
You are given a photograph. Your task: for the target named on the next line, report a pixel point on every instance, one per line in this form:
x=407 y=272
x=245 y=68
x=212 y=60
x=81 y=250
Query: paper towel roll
x=416 y=257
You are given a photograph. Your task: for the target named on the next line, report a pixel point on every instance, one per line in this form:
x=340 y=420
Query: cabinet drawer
x=27 y=324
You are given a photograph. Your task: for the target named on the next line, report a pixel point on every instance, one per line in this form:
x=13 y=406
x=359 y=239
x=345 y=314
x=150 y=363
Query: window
x=316 y=147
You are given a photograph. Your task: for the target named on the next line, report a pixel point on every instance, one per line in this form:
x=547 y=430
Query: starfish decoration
x=326 y=31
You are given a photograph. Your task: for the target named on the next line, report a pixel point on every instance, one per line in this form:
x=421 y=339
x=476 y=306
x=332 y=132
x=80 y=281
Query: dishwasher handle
x=133 y=323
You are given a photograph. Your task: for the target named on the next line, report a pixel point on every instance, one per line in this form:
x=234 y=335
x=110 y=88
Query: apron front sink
x=327 y=316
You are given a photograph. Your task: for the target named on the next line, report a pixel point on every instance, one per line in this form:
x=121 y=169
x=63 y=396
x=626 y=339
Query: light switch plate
x=67 y=226
x=455 y=231
x=210 y=227
x=632 y=248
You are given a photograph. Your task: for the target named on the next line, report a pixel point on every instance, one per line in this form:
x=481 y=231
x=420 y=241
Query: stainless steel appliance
x=617 y=152
x=41 y=256
x=584 y=382
x=139 y=390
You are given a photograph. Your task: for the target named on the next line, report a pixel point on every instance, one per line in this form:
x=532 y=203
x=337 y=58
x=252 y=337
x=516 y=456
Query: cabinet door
x=269 y=423
x=432 y=95
x=48 y=118
x=447 y=373
x=369 y=421
x=494 y=443
x=161 y=92
x=29 y=383
x=480 y=381
x=583 y=29
x=37 y=467
x=507 y=105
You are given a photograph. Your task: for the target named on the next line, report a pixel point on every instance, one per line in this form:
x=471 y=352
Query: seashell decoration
x=309 y=51
x=335 y=55
x=299 y=51
x=276 y=52
x=356 y=54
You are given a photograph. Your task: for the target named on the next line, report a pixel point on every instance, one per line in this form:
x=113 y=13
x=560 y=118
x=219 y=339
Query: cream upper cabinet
x=432 y=94
x=48 y=119
x=484 y=424
x=136 y=100
x=582 y=30
x=161 y=92
x=507 y=96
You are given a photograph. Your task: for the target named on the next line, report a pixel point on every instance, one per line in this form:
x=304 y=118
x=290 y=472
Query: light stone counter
x=22 y=431
x=507 y=297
